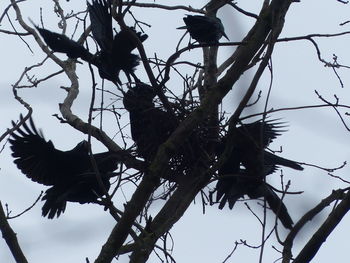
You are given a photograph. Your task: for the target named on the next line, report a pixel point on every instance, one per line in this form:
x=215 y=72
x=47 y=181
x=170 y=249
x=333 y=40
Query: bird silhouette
x=62 y=44
x=150 y=126
x=69 y=173
x=247 y=165
x=204 y=29
x=115 y=54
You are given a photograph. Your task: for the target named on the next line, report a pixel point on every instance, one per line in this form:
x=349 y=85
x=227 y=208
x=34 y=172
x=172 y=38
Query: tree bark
x=11 y=239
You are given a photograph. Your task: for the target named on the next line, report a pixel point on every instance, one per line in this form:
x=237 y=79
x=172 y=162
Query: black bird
x=150 y=126
x=62 y=44
x=69 y=173
x=115 y=53
x=204 y=29
x=235 y=181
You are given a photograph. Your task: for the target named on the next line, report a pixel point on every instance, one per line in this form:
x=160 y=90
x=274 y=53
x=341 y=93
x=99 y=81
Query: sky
x=314 y=136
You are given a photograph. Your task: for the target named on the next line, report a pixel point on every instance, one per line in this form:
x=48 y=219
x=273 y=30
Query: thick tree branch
x=165 y=7
x=171 y=212
x=315 y=243
x=288 y=243
x=132 y=209
x=11 y=239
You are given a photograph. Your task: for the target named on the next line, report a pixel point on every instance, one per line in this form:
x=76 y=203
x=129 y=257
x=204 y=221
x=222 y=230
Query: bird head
x=82 y=146
x=139 y=97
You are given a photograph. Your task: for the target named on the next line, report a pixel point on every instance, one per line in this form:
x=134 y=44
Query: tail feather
x=272 y=159
x=275 y=204
x=54 y=206
x=228 y=190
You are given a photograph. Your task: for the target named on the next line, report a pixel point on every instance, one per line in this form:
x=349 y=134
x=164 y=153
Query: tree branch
x=10 y=237
x=132 y=209
x=315 y=243
x=288 y=243
x=171 y=212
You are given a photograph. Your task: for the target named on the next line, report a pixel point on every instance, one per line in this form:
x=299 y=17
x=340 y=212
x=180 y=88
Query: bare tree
x=185 y=152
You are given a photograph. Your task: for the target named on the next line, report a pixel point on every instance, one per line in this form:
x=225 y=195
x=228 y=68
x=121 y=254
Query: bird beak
x=223 y=33
x=182 y=27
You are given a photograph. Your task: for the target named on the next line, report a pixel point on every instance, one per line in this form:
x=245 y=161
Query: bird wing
x=55 y=202
x=40 y=161
x=198 y=22
x=229 y=190
x=101 y=23
x=272 y=129
x=204 y=28
x=261 y=133
x=199 y=28
x=61 y=43
x=106 y=162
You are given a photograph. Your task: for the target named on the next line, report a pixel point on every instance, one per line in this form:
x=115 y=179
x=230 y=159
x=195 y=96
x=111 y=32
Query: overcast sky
x=315 y=136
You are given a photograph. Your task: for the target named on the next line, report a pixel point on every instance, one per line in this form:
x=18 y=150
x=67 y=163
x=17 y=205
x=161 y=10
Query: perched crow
x=250 y=142
x=150 y=126
x=62 y=44
x=69 y=173
x=115 y=53
x=204 y=29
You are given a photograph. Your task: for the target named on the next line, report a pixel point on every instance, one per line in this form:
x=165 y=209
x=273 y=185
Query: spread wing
x=40 y=161
x=101 y=23
x=61 y=43
x=261 y=133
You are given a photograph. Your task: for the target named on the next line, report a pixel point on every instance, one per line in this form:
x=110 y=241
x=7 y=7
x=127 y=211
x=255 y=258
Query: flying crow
x=69 y=173
x=247 y=165
x=115 y=54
